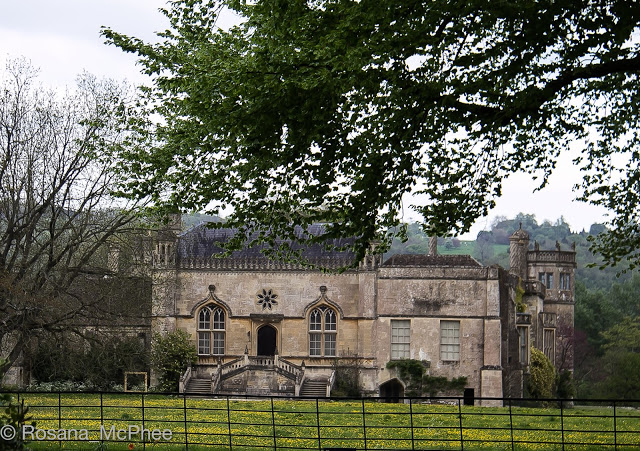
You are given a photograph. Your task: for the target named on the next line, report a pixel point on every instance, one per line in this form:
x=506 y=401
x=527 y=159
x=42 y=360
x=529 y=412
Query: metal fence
x=168 y=421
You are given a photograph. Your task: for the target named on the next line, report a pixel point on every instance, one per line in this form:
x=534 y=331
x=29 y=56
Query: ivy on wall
x=418 y=383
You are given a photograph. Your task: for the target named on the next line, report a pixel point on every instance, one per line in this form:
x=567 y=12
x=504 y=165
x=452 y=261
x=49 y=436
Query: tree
x=57 y=215
x=171 y=354
x=622 y=360
x=484 y=246
x=330 y=111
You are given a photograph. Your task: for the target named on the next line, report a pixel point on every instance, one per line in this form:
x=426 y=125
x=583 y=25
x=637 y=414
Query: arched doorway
x=392 y=391
x=267 y=340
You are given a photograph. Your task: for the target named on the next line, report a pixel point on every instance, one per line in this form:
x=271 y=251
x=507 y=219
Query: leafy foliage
x=99 y=363
x=412 y=372
x=622 y=360
x=330 y=111
x=14 y=415
x=565 y=387
x=434 y=385
x=542 y=375
x=347 y=377
x=171 y=354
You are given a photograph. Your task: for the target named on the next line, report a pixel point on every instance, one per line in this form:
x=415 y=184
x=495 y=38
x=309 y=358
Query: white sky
x=62 y=38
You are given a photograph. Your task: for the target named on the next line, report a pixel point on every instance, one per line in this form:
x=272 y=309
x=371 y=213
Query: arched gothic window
x=322 y=332
x=211 y=330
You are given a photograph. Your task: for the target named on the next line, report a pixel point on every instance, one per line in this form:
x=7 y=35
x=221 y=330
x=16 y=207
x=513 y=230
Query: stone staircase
x=257 y=375
x=314 y=388
x=200 y=386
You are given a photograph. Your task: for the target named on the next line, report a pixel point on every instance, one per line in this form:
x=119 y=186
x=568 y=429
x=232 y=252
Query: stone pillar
x=491 y=386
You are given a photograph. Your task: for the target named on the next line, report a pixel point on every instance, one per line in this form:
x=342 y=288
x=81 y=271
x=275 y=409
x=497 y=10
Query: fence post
x=615 y=427
x=318 y=423
x=460 y=417
x=364 y=426
x=101 y=416
x=229 y=423
x=562 y=423
x=273 y=425
x=511 y=425
x=413 y=444
x=59 y=416
x=186 y=427
x=144 y=444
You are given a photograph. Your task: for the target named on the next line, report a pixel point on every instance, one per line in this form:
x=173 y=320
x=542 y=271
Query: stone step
x=198 y=386
x=314 y=388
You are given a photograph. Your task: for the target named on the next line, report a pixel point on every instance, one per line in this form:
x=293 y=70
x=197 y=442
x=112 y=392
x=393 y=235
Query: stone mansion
x=264 y=327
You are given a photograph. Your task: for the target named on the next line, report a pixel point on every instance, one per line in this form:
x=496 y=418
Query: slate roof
x=203 y=242
x=431 y=260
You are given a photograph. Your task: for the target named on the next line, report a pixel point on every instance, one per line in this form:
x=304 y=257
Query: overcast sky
x=62 y=38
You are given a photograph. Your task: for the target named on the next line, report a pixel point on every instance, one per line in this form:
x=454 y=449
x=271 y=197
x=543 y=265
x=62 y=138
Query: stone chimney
x=518 y=249
x=433 y=245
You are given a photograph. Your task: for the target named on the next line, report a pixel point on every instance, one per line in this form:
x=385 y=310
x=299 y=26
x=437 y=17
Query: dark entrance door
x=267 y=340
x=392 y=391
x=469 y=396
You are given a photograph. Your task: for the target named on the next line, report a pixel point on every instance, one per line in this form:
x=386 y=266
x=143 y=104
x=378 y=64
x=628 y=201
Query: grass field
x=283 y=424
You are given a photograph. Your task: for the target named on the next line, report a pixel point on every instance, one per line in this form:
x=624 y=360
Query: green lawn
x=247 y=424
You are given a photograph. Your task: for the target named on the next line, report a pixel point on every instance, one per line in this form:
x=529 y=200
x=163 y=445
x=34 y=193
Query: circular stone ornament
x=267 y=299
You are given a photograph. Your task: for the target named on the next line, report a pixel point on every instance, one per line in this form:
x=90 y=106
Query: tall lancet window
x=211 y=330
x=323 y=328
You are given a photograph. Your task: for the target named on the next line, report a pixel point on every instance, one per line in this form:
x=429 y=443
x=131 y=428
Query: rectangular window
x=330 y=345
x=547 y=279
x=400 y=339
x=565 y=281
x=218 y=343
x=549 y=344
x=450 y=341
x=523 y=345
x=204 y=343
x=315 y=344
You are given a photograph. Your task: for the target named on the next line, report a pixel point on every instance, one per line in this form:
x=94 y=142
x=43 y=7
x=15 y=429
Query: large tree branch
x=530 y=99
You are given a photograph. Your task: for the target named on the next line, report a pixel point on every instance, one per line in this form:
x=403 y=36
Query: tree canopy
x=331 y=111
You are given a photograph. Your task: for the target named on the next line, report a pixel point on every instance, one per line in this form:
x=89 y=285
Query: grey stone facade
x=458 y=317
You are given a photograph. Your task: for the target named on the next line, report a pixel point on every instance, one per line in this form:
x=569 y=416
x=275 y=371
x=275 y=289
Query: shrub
x=565 y=388
x=417 y=383
x=14 y=415
x=542 y=375
x=347 y=377
x=171 y=354
x=83 y=364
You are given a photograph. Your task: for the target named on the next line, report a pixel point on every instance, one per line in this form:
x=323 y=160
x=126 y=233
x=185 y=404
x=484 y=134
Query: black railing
x=192 y=421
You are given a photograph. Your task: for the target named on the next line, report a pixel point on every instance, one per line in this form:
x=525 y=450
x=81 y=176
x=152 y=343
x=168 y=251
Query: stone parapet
x=537 y=256
x=264 y=263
